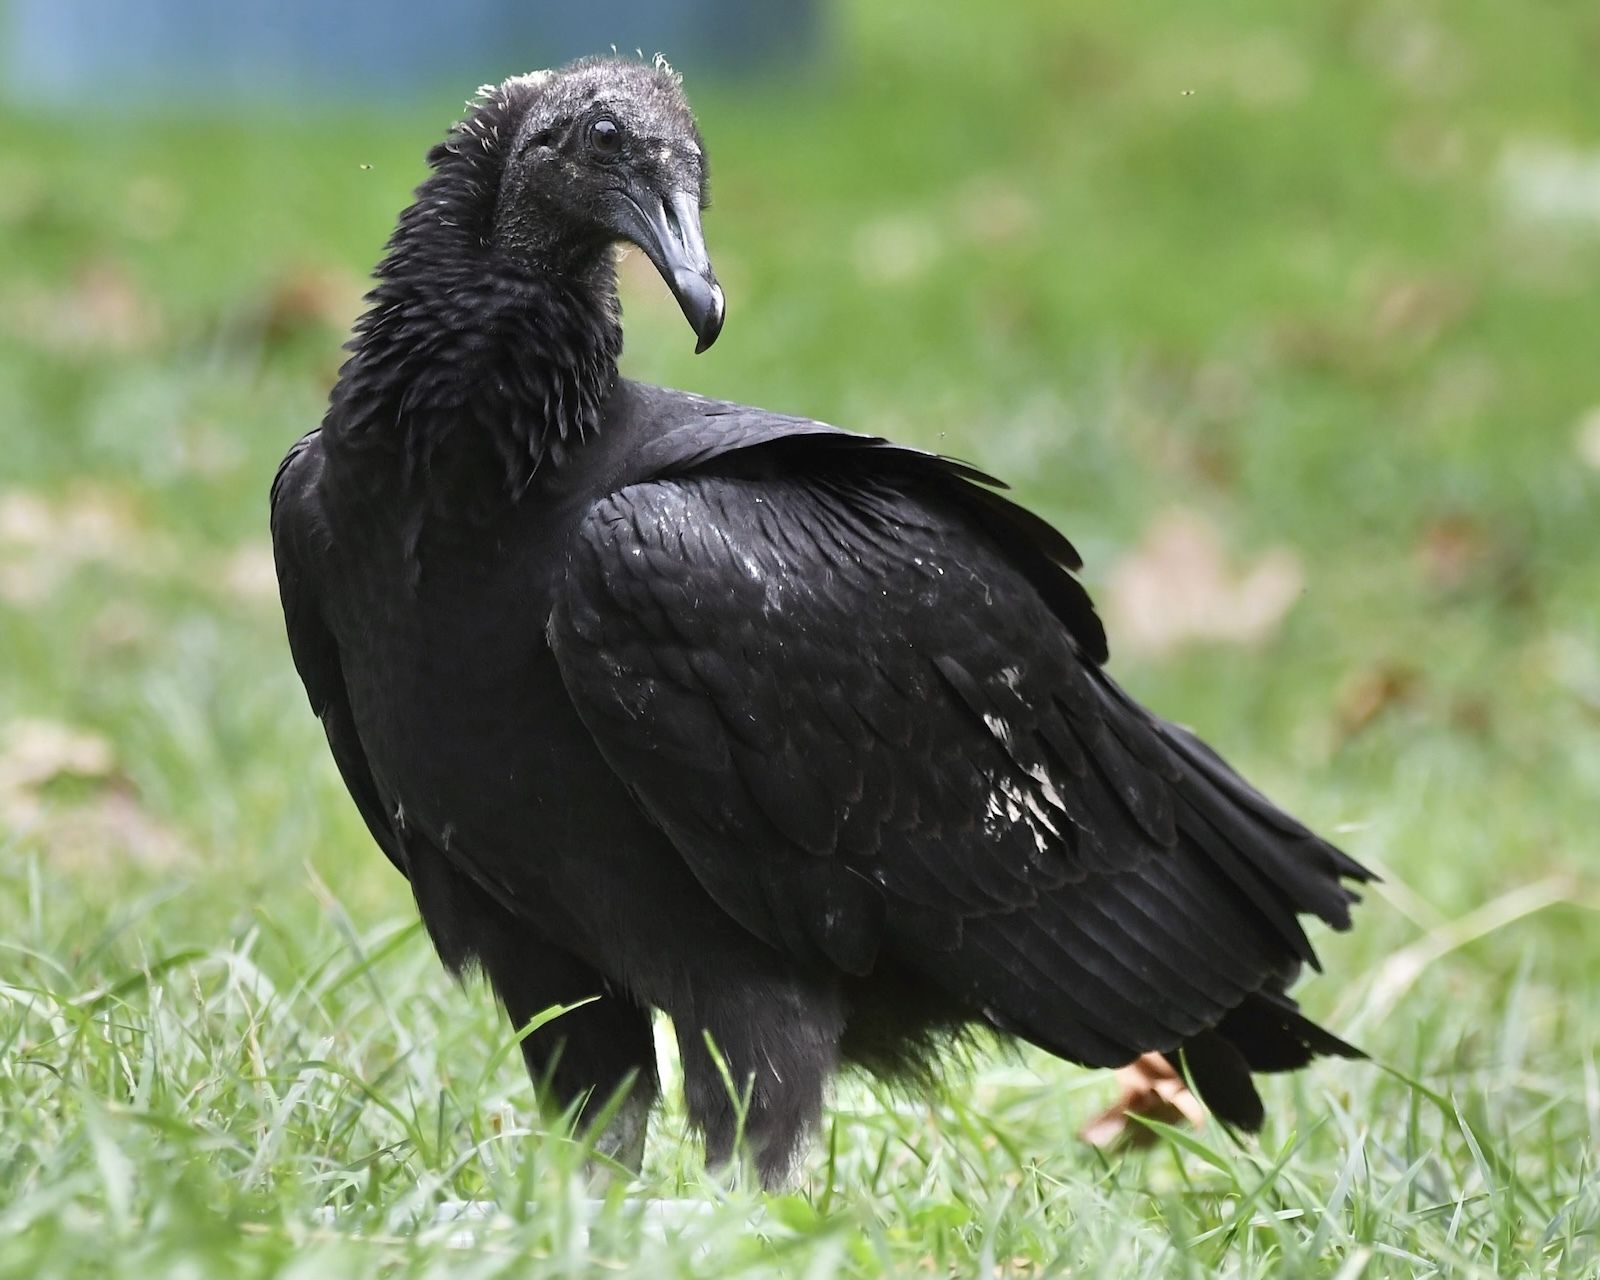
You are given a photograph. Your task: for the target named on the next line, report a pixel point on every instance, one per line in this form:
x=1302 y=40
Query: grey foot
x=622 y=1142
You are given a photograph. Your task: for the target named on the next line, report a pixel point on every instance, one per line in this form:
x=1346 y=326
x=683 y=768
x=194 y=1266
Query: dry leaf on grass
x=1371 y=694
x=308 y=298
x=1453 y=550
x=1416 y=310
x=1458 y=552
x=110 y=830
x=102 y=309
x=1405 y=314
x=1178 y=588
x=1150 y=1088
x=44 y=539
x=91 y=524
x=104 y=827
x=39 y=752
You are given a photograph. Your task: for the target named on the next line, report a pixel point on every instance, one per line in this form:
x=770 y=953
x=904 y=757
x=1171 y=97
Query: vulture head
x=607 y=150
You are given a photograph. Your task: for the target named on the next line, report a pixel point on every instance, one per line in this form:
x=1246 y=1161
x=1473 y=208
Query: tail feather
x=1222 y=1079
x=1266 y=1033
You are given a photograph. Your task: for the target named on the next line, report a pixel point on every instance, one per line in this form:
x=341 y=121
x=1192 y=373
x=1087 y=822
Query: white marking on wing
x=998 y=727
x=1038 y=774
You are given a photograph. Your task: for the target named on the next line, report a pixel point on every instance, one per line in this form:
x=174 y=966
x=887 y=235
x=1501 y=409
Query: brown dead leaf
x=88 y=524
x=1453 y=550
x=1417 y=309
x=102 y=309
x=110 y=830
x=1176 y=413
x=1403 y=314
x=1318 y=344
x=310 y=298
x=1200 y=458
x=39 y=752
x=43 y=540
x=1151 y=1088
x=1473 y=717
x=1371 y=694
x=102 y=827
x=1458 y=553
x=1178 y=588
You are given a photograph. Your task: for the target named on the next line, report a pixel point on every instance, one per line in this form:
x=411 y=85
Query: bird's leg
x=756 y=1059
x=622 y=1141
x=585 y=1071
x=616 y=1130
x=597 y=1058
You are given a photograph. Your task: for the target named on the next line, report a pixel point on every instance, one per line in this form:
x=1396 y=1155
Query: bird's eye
x=605 y=136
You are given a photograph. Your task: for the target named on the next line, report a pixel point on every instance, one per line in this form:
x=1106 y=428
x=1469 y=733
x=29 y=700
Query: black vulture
x=800 y=736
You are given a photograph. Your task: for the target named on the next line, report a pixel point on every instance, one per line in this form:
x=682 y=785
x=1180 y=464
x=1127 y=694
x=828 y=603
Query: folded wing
x=863 y=698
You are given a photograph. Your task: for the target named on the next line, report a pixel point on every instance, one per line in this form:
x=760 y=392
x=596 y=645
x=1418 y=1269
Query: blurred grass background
x=1290 y=317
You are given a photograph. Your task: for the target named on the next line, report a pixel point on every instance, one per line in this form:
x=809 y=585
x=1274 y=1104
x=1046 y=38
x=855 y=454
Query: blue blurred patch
x=107 y=53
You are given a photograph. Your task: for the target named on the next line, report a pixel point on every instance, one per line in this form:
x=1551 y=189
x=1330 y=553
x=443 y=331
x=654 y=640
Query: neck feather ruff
x=463 y=351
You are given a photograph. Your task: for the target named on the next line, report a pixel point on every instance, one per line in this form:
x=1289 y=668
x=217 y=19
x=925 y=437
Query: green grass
x=1274 y=264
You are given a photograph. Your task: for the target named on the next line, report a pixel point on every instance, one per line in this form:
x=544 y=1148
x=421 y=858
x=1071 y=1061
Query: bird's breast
x=463 y=712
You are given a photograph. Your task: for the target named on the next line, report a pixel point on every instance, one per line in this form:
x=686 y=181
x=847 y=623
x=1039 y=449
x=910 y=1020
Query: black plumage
x=800 y=736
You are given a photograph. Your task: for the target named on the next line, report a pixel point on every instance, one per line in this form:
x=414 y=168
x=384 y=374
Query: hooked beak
x=669 y=233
